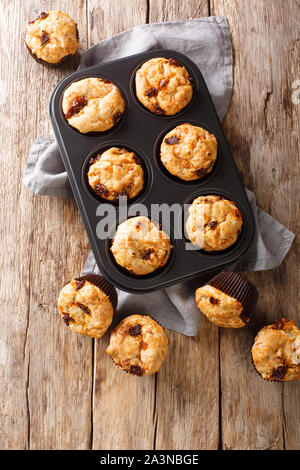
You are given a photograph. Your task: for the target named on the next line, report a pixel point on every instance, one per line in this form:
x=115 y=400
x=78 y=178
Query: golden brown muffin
x=220 y=308
x=93 y=105
x=189 y=152
x=276 y=351
x=163 y=86
x=138 y=345
x=116 y=172
x=52 y=37
x=140 y=247
x=213 y=223
x=85 y=307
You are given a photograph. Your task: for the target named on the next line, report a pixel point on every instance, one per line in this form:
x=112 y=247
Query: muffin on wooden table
x=163 y=86
x=87 y=305
x=138 y=345
x=93 y=105
x=116 y=172
x=214 y=223
x=52 y=38
x=188 y=152
x=227 y=300
x=276 y=351
x=140 y=246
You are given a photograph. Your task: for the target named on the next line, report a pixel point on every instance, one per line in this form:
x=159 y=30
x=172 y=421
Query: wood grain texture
x=60 y=390
x=122 y=404
x=263 y=129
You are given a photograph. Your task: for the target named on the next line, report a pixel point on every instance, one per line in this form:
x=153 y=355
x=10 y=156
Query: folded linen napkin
x=206 y=41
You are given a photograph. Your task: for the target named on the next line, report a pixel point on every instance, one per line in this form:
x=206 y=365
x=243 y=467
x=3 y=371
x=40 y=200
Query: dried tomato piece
x=42 y=16
x=137 y=159
x=174 y=62
x=76 y=106
x=151 y=92
x=279 y=324
x=213 y=301
x=84 y=308
x=117 y=116
x=172 y=140
x=158 y=110
x=146 y=254
x=105 y=80
x=44 y=38
x=136 y=370
x=135 y=330
x=101 y=189
x=279 y=372
x=68 y=319
x=213 y=224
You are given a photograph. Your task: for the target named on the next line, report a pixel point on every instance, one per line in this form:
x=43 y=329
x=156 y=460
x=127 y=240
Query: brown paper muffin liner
x=48 y=64
x=237 y=286
x=104 y=285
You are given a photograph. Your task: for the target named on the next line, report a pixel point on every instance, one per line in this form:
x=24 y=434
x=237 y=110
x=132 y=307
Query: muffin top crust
x=220 y=308
x=213 y=223
x=188 y=152
x=276 y=351
x=138 y=345
x=85 y=308
x=163 y=86
x=52 y=37
x=116 y=172
x=93 y=105
x=140 y=246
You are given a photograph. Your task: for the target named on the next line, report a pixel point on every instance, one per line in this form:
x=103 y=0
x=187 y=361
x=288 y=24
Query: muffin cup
x=237 y=286
x=48 y=64
x=104 y=285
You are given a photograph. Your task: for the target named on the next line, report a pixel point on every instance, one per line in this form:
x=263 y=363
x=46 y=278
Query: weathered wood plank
x=122 y=404
x=187 y=395
x=172 y=10
x=46 y=376
x=263 y=129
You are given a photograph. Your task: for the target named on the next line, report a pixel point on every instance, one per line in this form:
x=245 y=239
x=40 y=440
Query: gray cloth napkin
x=207 y=42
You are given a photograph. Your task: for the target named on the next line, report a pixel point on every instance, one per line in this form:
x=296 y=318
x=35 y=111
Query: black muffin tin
x=142 y=132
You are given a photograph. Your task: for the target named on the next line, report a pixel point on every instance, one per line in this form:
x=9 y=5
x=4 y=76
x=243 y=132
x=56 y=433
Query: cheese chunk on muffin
x=93 y=105
x=52 y=37
x=138 y=345
x=276 y=351
x=140 y=247
x=220 y=308
x=163 y=86
x=188 y=152
x=116 y=172
x=213 y=223
x=86 y=307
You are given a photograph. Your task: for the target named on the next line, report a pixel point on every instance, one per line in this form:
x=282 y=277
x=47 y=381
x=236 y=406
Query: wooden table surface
x=58 y=389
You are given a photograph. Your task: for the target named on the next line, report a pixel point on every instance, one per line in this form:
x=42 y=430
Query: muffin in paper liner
x=138 y=345
x=275 y=352
x=87 y=305
x=227 y=300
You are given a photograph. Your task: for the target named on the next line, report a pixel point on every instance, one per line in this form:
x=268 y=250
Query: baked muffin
x=276 y=351
x=188 y=152
x=163 y=86
x=116 y=172
x=213 y=223
x=227 y=300
x=93 y=105
x=138 y=345
x=52 y=38
x=87 y=305
x=140 y=247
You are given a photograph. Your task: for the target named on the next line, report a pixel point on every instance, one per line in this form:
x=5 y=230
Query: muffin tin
x=141 y=131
